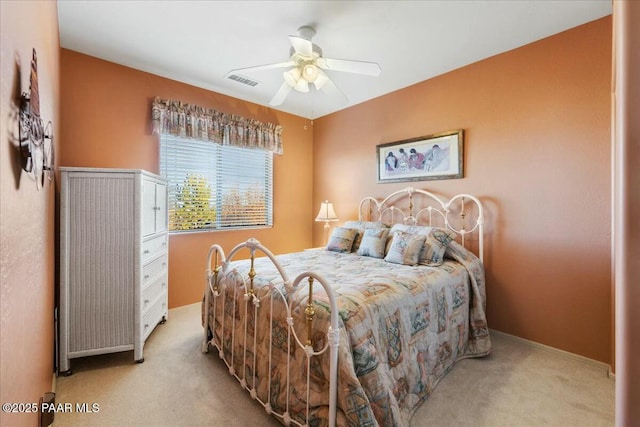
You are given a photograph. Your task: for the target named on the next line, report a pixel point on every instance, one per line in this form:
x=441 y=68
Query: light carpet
x=178 y=385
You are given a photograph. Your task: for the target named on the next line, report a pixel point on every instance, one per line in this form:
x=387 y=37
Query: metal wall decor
x=36 y=139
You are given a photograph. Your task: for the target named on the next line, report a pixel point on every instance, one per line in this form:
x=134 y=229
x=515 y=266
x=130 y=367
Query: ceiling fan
x=308 y=67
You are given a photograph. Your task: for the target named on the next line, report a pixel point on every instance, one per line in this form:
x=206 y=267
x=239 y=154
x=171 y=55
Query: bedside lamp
x=326 y=214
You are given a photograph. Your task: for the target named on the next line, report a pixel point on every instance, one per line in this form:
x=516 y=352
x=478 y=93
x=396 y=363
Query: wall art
x=36 y=140
x=438 y=156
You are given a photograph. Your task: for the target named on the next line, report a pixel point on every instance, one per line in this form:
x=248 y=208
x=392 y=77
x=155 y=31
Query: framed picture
x=424 y=158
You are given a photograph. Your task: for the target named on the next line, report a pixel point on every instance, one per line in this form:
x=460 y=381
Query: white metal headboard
x=413 y=206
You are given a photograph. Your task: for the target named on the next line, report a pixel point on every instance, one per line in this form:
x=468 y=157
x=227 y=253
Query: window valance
x=191 y=121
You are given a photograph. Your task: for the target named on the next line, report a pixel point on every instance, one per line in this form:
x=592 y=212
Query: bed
x=357 y=333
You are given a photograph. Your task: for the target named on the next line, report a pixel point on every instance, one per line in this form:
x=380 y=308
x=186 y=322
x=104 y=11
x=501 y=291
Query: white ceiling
x=199 y=42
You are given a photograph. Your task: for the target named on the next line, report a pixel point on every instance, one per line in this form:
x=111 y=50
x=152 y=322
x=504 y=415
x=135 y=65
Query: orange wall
x=537 y=152
x=27 y=216
x=106 y=122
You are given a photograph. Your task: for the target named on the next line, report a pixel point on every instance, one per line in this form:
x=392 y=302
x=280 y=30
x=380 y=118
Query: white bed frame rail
x=244 y=287
x=429 y=206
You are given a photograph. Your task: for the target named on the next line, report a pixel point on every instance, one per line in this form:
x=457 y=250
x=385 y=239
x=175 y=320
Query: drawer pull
x=146 y=251
x=146 y=276
x=164 y=264
x=146 y=302
x=146 y=326
x=164 y=284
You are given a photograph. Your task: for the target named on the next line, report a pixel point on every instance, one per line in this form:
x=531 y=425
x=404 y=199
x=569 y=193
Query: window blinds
x=213 y=186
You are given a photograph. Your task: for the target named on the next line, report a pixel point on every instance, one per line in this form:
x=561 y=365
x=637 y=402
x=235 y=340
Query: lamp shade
x=293 y=77
x=310 y=72
x=326 y=212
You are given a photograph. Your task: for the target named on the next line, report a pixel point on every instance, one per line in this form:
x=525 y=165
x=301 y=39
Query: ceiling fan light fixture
x=292 y=76
x=308 y=67
x=302 y=86
x=310 y=72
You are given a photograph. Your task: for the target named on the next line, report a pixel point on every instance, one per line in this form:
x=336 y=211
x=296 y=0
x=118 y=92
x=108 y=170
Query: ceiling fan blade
x=280 y=95
x=332 y=90
x=262 y=67
x=320 y=81
x=357 y=67
x=301 y=46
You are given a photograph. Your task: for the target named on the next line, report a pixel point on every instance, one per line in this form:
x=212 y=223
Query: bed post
x=333 y=337
x=208 y=289
x=309 y=313
x=479 y=225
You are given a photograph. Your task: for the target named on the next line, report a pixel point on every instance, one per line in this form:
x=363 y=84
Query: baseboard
x=606 y=368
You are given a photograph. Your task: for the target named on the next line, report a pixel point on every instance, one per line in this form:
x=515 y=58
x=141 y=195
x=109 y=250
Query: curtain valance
x=205 y=124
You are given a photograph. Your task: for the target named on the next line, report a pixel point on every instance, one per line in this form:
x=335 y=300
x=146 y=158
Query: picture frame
x=438 y=156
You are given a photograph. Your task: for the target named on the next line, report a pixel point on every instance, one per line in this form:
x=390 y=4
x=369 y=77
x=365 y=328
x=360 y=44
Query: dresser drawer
x=153 y=269
x=151 y=292
x=154 y=315
x=153 y=246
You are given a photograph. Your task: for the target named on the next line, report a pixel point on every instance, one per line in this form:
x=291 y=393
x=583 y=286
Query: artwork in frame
x=424 y=158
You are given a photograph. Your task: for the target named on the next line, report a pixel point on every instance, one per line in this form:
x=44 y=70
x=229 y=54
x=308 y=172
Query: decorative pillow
x=411 y=229
x=434 y=247
x=374 y=242
x=341 y=239
x=361 y=226
x=436 y=242
x=405 y=248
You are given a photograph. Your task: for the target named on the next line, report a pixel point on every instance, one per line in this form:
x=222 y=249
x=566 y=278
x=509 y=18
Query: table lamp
x=326 y=214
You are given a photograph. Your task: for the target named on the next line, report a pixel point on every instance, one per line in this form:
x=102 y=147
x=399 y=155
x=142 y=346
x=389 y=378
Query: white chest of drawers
x=113 y=261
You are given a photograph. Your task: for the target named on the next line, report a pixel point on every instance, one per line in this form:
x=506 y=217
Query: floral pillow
x=341 y=239
x=361 y=226
x=374 y=242
x=436 y=242
x=435 y=245
x=405 y=248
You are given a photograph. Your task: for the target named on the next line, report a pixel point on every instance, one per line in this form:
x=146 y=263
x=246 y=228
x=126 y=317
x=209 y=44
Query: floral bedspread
x=402 y=329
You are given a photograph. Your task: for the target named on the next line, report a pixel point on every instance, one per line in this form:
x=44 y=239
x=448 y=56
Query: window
x=213 y=186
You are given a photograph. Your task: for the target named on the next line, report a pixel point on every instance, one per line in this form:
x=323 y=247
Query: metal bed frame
x=407 y=206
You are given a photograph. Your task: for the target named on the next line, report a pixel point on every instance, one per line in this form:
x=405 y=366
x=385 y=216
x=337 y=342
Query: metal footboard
x=226 y=286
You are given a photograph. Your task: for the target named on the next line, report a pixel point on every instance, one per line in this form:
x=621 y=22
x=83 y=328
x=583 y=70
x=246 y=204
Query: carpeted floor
x=177 y=385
